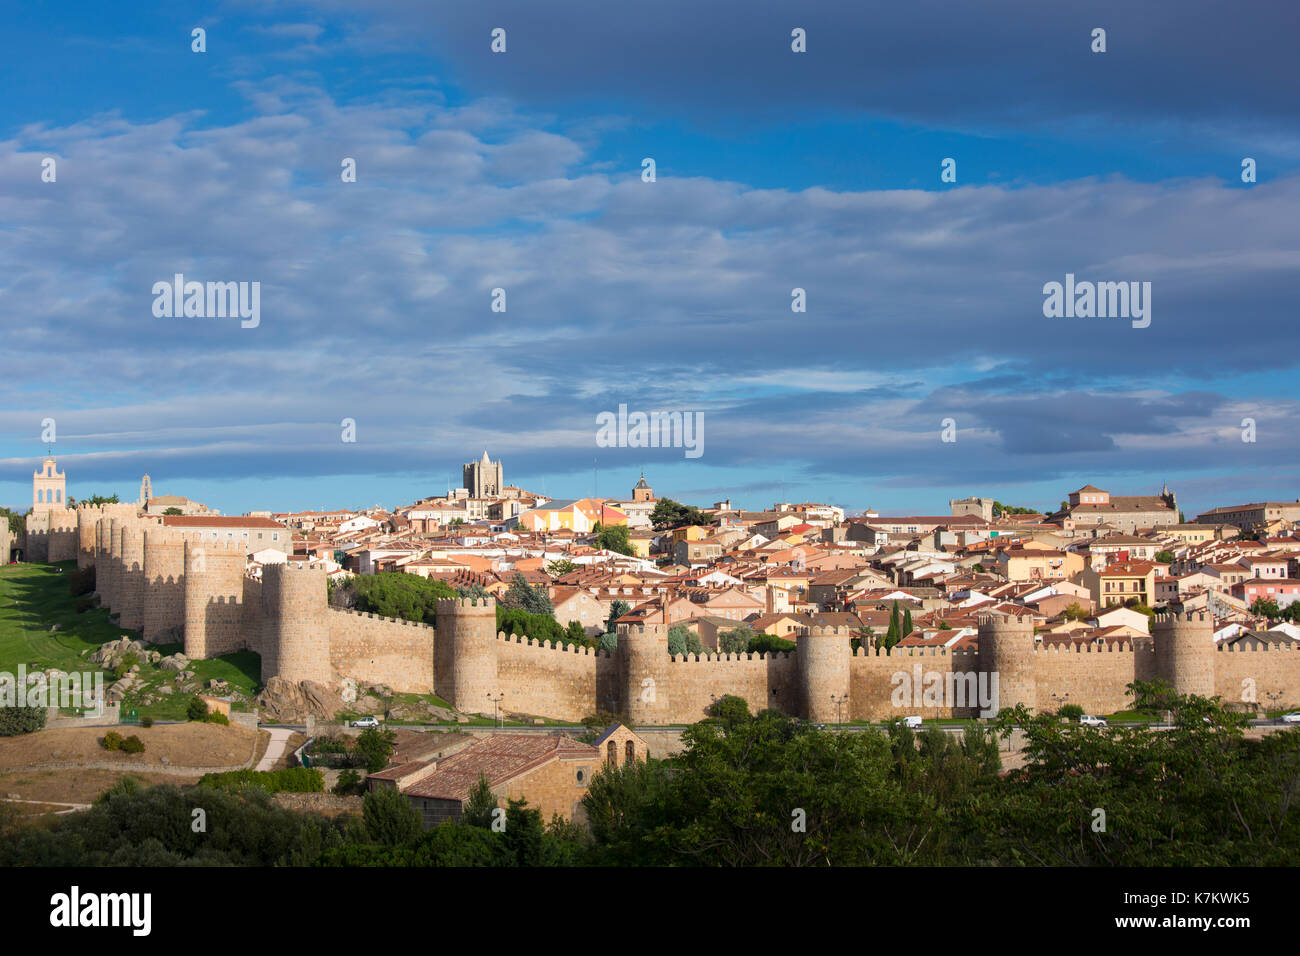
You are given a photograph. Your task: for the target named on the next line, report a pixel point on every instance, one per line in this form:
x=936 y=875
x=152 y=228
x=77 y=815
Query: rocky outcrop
x=287 y=702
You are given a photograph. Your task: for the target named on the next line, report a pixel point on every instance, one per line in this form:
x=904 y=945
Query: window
x=630 y=752
x=611 y=753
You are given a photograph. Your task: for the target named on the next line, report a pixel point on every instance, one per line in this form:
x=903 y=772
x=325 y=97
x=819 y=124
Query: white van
x=912 y=723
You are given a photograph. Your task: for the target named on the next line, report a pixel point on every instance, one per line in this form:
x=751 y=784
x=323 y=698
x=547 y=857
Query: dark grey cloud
x=1018 y=63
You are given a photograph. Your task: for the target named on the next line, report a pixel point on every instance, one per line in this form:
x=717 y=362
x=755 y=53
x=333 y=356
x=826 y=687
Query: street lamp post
x=839 y=700
x=1273 y=696
x=496 y=699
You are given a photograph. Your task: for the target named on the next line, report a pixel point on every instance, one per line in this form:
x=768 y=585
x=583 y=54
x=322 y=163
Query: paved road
x=275 y=749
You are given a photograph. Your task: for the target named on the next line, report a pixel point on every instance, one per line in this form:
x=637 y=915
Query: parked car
x=366 y=722
x=1291 y=718
x=1088 y=720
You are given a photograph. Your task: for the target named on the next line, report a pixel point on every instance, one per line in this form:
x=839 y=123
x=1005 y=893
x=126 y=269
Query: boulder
x=288 y=702
x=174 y=662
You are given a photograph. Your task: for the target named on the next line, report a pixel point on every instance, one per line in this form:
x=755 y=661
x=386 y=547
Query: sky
x=775 y=170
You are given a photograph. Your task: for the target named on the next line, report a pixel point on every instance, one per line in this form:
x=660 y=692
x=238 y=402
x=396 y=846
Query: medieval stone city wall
x=177 y=587
x=381 y=650
x=549 y=680
x=51 y=535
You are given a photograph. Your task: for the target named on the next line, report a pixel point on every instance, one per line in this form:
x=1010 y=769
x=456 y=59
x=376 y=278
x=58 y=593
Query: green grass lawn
x=32 y=598
x=35 y=596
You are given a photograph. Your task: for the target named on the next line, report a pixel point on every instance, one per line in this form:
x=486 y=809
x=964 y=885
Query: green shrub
x=292 y=780
x=349 y=783
x=146 y=721
x=87 y=603
x=20 y=720
x=133 y=745
x=112 y=740
x=196 y=709
x=330 y=744
x=765 y=643
x=217 y=717
x=1070 y=711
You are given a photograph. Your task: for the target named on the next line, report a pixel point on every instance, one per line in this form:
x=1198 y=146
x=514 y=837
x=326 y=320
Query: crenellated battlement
x=730 y=658
x=1170 y=618
x=524 y=641
x=469 y=604
x=379 y=617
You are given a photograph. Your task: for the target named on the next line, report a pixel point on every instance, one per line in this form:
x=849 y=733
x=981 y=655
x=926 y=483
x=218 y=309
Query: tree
x=1075 y=612
x=525 y=597
x=765 y=643
x=730 y=711
x=893 y=635
x=17 y=522
x=1165 y=557
x=907 y=622
x=389 y=817
x=173 y=511
x=669 y=514
x=524 y=834
x=100 y=500
x=682 y=640
x=1265 y=607
x=376 y=745
x=394 y=594
x=736 y=640
x=561 y=567
x=478 y=809
x=196 y=709
x=577 y=633
x=615 y=538
x=616 y=610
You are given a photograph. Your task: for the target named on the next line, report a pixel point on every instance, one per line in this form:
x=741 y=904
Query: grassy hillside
x=33 y=597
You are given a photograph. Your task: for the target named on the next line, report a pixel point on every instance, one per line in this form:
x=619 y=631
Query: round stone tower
x=465 y=653
x=1006 y=656
x=294 y=603
x=130 y=586
x=114 y=566
x=87 y=534
x=101 y=560
x=164 y=594
x=643 y=653
x=823 y=655
x=1185 y=652
x=214 y=593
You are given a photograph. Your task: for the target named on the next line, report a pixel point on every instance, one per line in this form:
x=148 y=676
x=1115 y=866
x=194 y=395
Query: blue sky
x=775 y=170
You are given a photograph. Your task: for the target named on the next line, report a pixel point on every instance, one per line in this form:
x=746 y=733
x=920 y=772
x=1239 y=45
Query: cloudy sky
x=775 y=170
